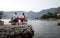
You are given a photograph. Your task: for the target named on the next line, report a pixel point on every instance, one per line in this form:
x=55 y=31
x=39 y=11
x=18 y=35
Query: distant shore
x=48 y=19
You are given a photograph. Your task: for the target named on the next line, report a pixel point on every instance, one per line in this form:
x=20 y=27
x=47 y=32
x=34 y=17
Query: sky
x=28 y=5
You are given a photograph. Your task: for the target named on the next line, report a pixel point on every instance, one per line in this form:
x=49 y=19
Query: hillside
x=31 y=14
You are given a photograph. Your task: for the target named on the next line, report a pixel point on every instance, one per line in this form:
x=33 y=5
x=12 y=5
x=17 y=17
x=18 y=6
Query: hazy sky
x=27 y=5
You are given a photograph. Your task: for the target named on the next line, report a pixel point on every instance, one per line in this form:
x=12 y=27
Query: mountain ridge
x=31 y=14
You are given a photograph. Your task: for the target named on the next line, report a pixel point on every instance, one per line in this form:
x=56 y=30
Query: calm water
x=45 y=29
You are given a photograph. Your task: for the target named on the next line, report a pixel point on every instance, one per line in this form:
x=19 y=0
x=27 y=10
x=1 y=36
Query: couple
x=16 y=18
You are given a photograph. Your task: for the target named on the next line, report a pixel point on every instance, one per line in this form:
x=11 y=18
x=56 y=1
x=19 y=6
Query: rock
x=58 y=24
x=1 y=23
x=23 y=31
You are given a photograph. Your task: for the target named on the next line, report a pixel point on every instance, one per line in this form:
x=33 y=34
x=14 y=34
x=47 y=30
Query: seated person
x=23 y=18
x=14 y=18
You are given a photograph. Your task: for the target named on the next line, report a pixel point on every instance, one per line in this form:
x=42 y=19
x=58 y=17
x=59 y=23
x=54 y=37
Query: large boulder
x=1 y=23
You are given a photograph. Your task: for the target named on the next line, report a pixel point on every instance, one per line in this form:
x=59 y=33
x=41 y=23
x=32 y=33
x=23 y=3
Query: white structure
x=58 y=14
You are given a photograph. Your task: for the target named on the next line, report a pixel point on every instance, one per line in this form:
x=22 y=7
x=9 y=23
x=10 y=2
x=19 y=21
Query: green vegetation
x=50 y=15
x=1 y=13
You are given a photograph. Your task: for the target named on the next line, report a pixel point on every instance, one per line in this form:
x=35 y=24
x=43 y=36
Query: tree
x=50 y=15
x=45 y=17
x=55 y=15
x=1 y=14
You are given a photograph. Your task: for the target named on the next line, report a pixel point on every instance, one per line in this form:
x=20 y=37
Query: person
x=14 y=18
x=23 y=17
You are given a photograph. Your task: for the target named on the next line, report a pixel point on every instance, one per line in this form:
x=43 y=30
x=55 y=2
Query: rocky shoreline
x=16 y=31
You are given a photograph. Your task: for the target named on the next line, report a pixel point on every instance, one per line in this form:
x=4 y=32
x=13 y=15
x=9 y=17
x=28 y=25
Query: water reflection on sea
x=45 y=29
